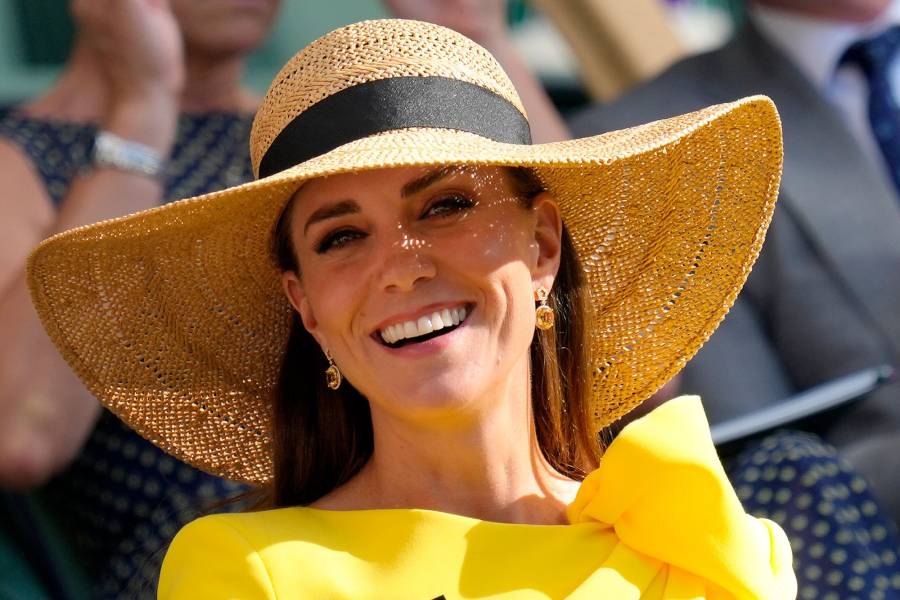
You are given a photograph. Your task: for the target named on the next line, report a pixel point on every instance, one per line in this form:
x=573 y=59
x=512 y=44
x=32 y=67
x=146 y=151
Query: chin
x=238 y=38
x=227 y=29
x=432 y=398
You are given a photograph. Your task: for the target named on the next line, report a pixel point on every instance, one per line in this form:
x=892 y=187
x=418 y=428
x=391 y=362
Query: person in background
x=824 y=298
x=148 y=108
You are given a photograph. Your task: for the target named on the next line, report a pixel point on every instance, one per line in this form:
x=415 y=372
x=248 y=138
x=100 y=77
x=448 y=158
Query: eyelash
x=338 y=239
x=455 y=202
x=449 y=204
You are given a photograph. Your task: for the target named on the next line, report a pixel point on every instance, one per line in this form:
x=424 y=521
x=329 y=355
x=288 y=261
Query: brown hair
x=323 y=437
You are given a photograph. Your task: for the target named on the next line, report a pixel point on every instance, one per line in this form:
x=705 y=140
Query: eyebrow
x=349 y=207
x=344 y=207
x=417 y=185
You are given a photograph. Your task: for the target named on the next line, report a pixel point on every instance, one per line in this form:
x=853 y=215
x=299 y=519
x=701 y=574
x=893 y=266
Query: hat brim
x=174 y=318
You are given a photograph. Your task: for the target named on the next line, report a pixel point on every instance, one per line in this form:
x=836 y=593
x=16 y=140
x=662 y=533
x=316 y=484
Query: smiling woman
x=452 y=219
x=411 y=330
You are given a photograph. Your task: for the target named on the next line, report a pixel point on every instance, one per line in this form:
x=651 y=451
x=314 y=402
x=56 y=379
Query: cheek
x=333 y=295
x=497 y=259
x=489 y=245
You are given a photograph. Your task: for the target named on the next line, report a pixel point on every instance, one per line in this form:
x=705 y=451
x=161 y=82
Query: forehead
x=398 y=182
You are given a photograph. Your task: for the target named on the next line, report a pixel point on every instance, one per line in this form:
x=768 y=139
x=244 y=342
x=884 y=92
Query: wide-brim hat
x=175 y=318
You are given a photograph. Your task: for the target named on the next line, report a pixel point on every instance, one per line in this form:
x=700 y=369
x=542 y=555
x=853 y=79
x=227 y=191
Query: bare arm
x=484 y=22
x=45 y=412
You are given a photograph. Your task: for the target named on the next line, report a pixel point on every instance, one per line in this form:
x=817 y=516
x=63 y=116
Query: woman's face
x=387 y=255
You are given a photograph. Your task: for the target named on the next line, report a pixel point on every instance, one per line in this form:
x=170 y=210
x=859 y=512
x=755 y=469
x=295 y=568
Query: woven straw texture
x=370 y=51
x=175 y=318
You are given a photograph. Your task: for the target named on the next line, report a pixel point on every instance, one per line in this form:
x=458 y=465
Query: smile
x=424 y=328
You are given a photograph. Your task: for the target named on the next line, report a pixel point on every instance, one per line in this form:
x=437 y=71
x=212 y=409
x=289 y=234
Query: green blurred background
x=35 y=36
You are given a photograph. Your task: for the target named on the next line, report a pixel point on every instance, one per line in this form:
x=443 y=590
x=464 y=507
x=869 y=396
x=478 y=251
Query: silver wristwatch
x=116 y=152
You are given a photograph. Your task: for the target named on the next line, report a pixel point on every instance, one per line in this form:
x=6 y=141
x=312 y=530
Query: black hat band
x=395 y=103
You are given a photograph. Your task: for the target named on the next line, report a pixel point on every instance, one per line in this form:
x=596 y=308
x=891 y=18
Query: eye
x=447 y=205
x=338 y=239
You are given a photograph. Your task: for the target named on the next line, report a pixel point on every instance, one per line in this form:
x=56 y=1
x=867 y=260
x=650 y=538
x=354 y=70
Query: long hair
x=323 y=437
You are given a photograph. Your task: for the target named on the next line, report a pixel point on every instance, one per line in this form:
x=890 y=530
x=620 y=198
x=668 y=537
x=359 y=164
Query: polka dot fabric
x=58 y=151
x=844 y=547
x=210 y=152
x=123 y=501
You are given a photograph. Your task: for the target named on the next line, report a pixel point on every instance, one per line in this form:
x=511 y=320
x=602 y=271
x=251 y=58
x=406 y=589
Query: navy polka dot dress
x=844 y=547
x=123 y=499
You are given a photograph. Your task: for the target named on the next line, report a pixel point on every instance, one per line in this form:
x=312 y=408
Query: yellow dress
x=657 y=519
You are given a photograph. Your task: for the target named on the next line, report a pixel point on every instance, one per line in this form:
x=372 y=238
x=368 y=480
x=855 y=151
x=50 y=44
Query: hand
x=483 y=21
x=137 y=44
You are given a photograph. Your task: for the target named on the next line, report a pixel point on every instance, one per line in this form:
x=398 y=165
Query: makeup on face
x=413 y=276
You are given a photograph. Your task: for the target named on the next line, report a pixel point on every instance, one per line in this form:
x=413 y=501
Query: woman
x=381 y=377
x=163 y=77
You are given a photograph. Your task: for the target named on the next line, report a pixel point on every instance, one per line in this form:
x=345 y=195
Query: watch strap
x=113 y=151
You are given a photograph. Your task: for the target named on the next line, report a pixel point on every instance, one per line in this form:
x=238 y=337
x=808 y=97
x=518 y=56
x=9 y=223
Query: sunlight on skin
x=461 y=240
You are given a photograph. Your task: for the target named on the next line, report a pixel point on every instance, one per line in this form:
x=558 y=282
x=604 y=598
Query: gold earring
x=333 y=376
x=543 y=315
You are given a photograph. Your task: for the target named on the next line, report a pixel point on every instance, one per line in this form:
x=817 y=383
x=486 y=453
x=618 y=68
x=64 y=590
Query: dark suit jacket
x=824 y=297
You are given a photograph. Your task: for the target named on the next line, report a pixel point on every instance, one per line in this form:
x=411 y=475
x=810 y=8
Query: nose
x=405 y=262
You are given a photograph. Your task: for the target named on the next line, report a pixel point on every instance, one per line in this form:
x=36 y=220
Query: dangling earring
x=543 y=315
x=332 y=373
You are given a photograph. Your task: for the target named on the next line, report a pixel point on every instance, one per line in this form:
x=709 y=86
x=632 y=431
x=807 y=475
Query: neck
x=81 y=95
x=487 y=465
x=213 y=83
x=78 y=95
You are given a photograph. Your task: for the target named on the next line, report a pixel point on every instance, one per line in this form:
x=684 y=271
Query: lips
x=427 y=326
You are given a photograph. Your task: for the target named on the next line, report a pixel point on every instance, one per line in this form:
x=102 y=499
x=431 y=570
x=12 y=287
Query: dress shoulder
x=661 y=487
x=211 y=558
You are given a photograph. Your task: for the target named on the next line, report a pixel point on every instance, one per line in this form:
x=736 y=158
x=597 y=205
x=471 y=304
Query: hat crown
x=371 y=51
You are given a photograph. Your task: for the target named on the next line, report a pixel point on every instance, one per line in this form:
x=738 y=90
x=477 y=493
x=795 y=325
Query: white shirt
x=816 y=45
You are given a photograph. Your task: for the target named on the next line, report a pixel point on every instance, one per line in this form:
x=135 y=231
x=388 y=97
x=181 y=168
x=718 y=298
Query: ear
x=547 y=240
x=293 y=289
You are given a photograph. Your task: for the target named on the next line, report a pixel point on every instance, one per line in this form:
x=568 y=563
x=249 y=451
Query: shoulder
x=255 y=531
x=260 y=554
x=223 y=555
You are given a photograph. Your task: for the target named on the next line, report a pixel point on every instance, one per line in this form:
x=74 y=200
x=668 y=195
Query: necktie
x=873 y=56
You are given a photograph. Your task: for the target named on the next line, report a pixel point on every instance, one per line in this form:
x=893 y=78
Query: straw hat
x=175 y=317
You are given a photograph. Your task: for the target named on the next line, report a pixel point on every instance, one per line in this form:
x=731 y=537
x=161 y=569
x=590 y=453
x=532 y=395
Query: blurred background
x=808 y=344
x=36 y=36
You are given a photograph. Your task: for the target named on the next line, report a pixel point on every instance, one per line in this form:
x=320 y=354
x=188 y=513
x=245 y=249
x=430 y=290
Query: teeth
x=426 y=324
